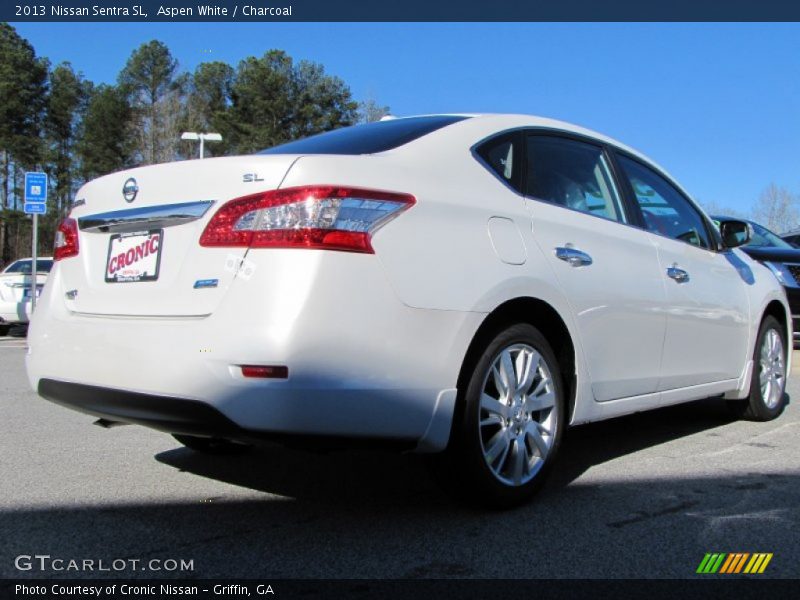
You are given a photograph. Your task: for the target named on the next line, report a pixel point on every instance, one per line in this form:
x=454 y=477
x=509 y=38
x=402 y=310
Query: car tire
x=211 y=445
x=505 y=437
x=4 y=329
x=19 y=330
x=767 y=397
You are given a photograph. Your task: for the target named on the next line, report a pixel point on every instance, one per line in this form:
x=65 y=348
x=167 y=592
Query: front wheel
x=768 y=383
x=512 y=415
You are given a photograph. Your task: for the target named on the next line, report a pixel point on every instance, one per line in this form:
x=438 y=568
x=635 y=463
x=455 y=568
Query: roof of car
x=478 y=126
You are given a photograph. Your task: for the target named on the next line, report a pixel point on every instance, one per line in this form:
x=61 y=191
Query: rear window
x=24 y=266
x=369 y=138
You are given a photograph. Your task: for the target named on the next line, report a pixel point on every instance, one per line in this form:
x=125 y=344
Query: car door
x=708 y=307
x=608 y=269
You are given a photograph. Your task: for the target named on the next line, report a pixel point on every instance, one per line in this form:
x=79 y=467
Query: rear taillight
x=327 y=217
x=66 y=243
x=265 y=372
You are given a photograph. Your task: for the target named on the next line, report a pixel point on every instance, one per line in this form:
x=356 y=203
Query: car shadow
x=364 y=477
x=356 y=514
x=595 y=443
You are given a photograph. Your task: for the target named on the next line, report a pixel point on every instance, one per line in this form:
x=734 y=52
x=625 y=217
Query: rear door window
x=572 y=174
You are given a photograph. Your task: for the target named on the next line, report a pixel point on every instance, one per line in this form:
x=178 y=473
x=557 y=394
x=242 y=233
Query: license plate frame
x=142 y=267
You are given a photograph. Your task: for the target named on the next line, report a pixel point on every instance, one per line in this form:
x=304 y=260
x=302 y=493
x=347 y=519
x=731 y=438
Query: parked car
x=780 y=257
x=792 y=237
x=468 y=285
x=15 y=289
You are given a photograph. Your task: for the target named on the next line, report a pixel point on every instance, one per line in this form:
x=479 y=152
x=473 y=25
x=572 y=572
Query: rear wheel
x=18 y=330
x=211 y=445
x=509 y=428
x=768 y=383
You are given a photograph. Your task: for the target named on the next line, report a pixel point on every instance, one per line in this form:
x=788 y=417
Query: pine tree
x=105 y=140
x=23 y=93
x=151 y=82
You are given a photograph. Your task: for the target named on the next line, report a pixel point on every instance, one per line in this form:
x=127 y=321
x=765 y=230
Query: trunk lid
x=139 y=231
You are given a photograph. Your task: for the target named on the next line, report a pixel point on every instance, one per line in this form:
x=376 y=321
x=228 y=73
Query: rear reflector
x=326 y=217
x=66 y=240
x=265 y=372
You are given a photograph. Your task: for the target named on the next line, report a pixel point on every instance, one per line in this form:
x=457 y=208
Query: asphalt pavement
x=642 y=496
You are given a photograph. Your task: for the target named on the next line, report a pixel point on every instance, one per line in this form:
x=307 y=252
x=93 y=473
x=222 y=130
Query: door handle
x=677 y=274
x=574 y=257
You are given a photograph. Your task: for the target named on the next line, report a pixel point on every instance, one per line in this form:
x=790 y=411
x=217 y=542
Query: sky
x=716 y=105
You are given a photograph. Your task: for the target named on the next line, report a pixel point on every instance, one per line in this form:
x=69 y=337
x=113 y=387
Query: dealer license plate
x=134 y=257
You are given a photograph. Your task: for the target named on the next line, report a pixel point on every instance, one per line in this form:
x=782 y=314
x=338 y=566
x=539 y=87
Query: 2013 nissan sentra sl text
x=468 y=285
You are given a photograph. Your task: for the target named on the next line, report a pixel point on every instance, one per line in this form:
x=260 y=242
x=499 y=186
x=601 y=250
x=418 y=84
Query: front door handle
x=574 y=257
x=677 y=274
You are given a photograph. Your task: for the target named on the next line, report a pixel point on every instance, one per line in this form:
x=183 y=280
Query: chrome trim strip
x=115 y=317
x=133 y=219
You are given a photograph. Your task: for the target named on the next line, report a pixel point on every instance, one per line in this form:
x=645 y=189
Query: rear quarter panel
x=438 y=254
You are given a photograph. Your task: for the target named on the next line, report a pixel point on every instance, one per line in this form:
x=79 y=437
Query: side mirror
x=735 y=233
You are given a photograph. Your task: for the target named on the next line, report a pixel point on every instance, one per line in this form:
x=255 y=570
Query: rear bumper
x=361 y=364
x=173 y=415
x=15 y=312
x=183 y=416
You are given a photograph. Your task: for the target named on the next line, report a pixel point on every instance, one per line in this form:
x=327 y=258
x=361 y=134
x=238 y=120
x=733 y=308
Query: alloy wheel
x=518 y=414
x=772 y=372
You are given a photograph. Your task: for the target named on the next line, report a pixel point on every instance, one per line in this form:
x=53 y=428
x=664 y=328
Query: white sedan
x=15 y=288
x=468 y=285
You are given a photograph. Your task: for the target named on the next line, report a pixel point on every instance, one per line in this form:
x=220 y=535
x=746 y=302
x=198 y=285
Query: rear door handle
x=677 y=274
x=574 y=257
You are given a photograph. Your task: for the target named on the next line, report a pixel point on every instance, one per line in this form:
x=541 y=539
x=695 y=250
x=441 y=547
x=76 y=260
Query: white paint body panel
x=507 y=241
x=618 y=300
x=375 y=343
x=708 y=317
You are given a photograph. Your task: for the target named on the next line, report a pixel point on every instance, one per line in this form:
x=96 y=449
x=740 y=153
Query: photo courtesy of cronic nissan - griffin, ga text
x=462 y=285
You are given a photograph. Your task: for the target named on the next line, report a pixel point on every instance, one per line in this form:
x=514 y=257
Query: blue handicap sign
x=35 y=187
x=35 y=208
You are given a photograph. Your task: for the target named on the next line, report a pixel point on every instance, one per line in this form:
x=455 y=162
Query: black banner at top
x=398 y=10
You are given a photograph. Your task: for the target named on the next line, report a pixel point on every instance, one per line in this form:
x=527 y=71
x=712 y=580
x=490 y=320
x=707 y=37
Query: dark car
x=793 y=237
x=780 y=257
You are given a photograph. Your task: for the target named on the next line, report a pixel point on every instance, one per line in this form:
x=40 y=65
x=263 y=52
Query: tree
x=275 y=101
x=154 y=90
x=776 y=209
x=714 y=208
x=370 y=111
x=105 y=141
x=65 y=106
x=208 y=104
x=23 y=89
x=321 y=102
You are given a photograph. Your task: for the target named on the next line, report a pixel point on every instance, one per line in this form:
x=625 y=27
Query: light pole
x=203 y=137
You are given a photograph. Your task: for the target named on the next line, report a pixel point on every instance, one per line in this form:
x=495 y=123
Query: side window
x=665 y=209
x=571 y=174
x=502 y=155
